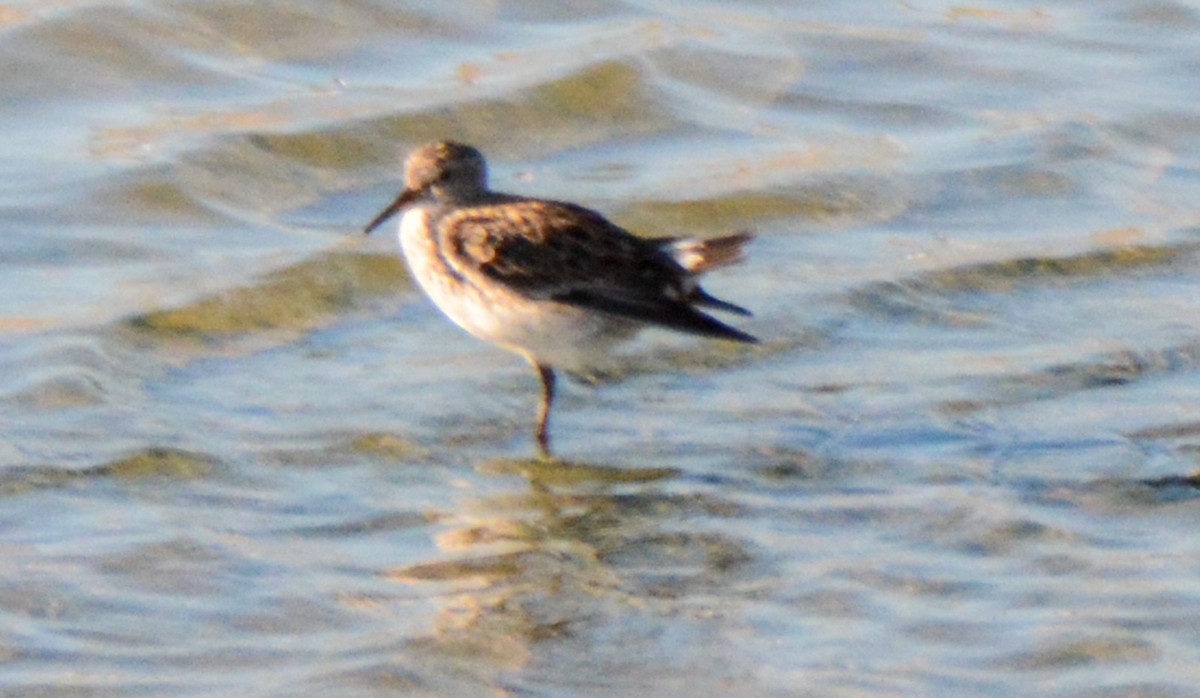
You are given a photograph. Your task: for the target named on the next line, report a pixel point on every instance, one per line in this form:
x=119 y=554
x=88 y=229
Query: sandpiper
x=554 y=282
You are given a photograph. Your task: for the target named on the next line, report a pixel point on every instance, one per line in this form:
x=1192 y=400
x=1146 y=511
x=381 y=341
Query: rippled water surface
x=241 y=455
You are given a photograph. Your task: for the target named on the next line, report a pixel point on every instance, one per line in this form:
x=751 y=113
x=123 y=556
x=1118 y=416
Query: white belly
x=547 y=332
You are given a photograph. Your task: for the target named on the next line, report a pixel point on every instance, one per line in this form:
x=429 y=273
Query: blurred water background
x=241 y=455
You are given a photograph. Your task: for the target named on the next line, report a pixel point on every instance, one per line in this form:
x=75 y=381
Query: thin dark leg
x=542 y=432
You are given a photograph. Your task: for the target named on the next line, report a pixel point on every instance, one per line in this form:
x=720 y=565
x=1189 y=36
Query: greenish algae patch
x=914 y=301
x=146 y=463
x=491 y=567
x=342 y=150
x=158 y=462
x=296 y=298
x=552 y=471
x=387 y=446
x=153 y=200
x=15 y=481
x=604 y=101
x=740 y=209
x=1101 y=650
x=611 y=93
x=718 y=214
x=61 y=392
x=1007 y=274
x=928 y=297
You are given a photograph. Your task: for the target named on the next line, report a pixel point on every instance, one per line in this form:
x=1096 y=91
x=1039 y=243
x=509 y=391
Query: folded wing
x=566 y=253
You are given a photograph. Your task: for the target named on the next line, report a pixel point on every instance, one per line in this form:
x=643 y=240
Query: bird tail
x=700 y=256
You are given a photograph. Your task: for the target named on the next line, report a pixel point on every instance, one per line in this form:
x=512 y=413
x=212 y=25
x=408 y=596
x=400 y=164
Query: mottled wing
x=543 y=248
x=567 y=253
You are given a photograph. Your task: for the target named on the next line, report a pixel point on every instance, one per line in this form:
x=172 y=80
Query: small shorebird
x=552 y=281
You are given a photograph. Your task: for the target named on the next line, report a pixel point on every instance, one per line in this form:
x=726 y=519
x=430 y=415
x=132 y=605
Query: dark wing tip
x=702 y=297
x=680 y=317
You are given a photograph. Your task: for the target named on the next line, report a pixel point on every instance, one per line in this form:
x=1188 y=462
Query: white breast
x=460 y=301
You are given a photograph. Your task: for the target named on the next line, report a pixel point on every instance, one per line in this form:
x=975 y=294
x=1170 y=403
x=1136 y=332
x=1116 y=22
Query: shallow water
x=242 y=455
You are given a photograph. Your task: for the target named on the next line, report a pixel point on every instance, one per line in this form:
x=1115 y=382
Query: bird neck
x=459 y=194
